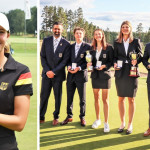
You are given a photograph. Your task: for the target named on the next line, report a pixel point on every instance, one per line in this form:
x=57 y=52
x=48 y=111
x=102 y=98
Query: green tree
x=139 y=32
x=17 y=21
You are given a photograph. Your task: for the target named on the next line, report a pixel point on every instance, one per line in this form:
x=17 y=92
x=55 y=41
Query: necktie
x=76 y=50
x=55 y=44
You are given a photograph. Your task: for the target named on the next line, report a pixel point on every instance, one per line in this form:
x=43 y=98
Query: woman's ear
x=8 y=34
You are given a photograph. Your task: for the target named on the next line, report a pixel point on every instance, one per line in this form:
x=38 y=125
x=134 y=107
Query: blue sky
x=109 y=13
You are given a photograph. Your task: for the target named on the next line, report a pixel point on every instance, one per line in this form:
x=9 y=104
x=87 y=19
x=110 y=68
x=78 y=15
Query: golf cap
x=4 y=22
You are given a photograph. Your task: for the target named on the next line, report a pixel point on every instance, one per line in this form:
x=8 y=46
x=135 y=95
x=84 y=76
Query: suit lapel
x=80 y=51
x=59 y=45
x=101 y=55
x=130 y=48
x=122 y=48
x=52 y=47
x=73 y=52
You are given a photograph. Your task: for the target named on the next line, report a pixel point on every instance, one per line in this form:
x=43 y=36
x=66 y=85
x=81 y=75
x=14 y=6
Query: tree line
x=17 y=21
x=72 y=19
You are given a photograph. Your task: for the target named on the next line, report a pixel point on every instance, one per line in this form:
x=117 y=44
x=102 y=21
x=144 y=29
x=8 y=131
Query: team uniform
x=15 y=80
x=126 y=86
x=101 y=79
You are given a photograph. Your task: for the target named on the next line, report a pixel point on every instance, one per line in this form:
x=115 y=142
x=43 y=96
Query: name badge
x=104 y=55
x=82 y=55
x=60 y=54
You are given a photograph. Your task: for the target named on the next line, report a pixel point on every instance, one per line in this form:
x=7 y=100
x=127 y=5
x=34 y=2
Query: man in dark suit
x=54 y=57
x=146 y=63
x=78 y=76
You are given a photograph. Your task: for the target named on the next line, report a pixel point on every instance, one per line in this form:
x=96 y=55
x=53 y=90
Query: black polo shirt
x=15 y=80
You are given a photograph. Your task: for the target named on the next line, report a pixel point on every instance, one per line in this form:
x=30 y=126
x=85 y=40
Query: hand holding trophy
x=133 y=56
x=89 y=60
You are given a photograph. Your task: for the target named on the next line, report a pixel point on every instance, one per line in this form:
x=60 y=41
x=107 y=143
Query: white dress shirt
x=98 y=53
x=126 y=46
x=77 y=47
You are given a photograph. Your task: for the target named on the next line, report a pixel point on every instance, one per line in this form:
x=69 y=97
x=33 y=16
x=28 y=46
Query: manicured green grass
x=74 y=137
x=27 y=139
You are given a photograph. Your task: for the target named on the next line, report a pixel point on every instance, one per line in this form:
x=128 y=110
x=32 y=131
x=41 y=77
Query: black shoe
x=128 y=131
x=120 y=130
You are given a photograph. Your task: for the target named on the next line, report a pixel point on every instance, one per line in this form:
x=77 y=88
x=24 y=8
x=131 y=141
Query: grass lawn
x=74 y=137
x=27 y=139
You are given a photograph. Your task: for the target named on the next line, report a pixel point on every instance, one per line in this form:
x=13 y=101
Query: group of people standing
x=56 y=53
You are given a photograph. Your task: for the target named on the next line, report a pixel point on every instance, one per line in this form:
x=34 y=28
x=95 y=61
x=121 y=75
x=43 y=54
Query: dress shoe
x=147 y=133
x=42 y=121
x=120 y=130
x=83 y=122
x=55 y=122
x=66 y=121
x=128 y=131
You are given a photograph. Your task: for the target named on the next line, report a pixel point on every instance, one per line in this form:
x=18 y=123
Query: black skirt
x=101 y=83
x=126 y=86
x=8 y=143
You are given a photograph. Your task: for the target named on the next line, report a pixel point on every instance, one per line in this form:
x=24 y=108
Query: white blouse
x=98 y=53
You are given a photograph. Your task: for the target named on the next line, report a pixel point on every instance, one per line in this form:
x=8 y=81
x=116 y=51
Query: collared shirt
x=77 y=47
x=98 y=53
x=56 y=42
x=126 y=46
x=15 y=80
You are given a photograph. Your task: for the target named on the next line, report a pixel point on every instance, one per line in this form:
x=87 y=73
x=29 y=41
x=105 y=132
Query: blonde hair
x=120 y=35
x=94 y=42
x=7 y=48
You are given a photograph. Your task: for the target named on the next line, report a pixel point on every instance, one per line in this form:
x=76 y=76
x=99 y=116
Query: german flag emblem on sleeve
x=24 y=79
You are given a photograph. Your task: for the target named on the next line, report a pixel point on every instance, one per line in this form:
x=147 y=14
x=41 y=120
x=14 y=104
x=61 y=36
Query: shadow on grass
x=145 y=147
x=87 y=134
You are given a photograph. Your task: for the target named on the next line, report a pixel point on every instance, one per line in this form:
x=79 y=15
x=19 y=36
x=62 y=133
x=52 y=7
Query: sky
x=108 y=13
x=8 y=5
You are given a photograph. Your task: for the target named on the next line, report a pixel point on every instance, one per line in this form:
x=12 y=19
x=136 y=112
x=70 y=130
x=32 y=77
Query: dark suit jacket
x=120 y=54
x=57 y=61
x=106 y=57
x=80 y=76
x=145 y=60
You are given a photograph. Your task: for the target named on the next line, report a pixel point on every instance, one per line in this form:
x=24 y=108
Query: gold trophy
x=134 y=56
x=89 y=59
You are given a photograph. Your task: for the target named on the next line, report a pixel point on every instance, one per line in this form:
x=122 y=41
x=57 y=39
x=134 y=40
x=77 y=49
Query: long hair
x=7 y=48
x=94 y=42
x=120 y=35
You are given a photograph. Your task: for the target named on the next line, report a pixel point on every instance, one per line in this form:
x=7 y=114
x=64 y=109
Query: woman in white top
x=102 y=55
x=125 y=79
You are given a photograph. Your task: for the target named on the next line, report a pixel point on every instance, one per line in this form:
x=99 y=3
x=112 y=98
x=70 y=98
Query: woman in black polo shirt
x=15 y=91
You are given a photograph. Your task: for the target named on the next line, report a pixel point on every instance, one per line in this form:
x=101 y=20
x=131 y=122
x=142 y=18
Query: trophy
x=89 y=59
x=134 y=56
x=73 y=67
x=98 y=64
